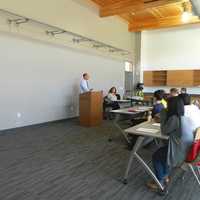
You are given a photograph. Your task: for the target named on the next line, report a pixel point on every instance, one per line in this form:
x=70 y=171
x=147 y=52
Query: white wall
x=41 y=81
x=176 y=48
x=171 y=49
x=78 y=16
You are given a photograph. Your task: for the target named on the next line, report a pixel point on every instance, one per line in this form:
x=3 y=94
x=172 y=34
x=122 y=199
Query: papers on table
x=147 y=130
x=139 y=109
x=136 y=98
x=156 y=124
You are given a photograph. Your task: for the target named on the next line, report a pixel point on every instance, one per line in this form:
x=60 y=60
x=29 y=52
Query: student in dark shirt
x=183 y=90
x=174 y=92
x=158 y=106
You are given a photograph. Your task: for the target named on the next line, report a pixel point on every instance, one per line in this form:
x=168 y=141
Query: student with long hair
x=112 y=94
x=112 y=97
x=171 y=154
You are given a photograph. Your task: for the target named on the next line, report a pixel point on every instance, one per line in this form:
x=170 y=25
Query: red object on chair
x=193 y=154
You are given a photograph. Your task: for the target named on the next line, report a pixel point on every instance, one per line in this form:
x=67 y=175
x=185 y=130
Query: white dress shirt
x=192 y=112
x=84 y=86
x=189 y=123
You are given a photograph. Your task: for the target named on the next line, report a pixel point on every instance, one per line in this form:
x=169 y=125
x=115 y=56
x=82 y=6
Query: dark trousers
x=160 y=163
x=115 y=105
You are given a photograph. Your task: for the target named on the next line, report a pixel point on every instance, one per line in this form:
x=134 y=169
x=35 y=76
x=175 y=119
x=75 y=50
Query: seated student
x=171 y=154
x=183 y=91
x=112 y=97
x=112 y=94
x=183 y=94
x=158 y=106
x=139 y=90
x=173 y=92
x=190 y=121
x=196 y=102
x=164 y=99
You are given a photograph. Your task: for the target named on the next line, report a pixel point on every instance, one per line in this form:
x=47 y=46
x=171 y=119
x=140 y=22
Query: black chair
x=118 y=96
x=107 y=107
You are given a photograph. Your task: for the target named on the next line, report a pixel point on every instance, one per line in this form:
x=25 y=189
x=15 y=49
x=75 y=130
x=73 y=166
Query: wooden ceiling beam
x=134 y=6
x=99 y=2
x=162 y=23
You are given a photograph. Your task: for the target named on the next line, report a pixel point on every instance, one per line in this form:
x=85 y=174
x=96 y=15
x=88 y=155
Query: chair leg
x=156 y=142
x=198 y=168
x=194 y=173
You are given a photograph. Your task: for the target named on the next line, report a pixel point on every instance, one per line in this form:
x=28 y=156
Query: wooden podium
x=91 y=108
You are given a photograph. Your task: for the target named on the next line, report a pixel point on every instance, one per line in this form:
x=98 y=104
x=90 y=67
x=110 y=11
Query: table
x=143 y=130
x=139 y=100
x=125 y=113
x=124 y=103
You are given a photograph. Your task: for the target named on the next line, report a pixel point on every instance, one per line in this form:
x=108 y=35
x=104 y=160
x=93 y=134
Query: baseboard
x=39 y=124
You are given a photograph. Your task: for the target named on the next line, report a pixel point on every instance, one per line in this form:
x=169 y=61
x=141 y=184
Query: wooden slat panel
x=144 y=16
x=162 y=23
x=135 y=6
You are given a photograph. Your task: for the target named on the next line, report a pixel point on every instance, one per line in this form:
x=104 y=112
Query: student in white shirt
x=112 y=94
x=84 y=85
x=191 y=119
x=112 y=97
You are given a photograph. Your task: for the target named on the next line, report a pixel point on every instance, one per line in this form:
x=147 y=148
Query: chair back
x=106 y=101
x=194 y=153
x=118 y=96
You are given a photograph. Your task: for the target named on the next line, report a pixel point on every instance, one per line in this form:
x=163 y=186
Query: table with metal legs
x=126 y=114
x=143 y=130
x=116 y=120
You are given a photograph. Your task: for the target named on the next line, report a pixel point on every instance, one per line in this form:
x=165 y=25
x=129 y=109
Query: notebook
x=156 y=124
x=147 y=130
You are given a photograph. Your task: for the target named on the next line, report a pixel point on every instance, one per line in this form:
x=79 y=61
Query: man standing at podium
x=84 y=85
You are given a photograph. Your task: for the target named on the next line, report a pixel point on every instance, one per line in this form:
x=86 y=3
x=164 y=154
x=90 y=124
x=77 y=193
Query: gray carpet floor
x=63 y=161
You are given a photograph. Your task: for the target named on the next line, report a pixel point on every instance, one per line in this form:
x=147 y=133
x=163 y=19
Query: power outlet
x=18 y=121
x=19 y=115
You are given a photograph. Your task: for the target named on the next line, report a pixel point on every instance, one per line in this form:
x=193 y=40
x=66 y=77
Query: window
x=128 y=66
x=128 y=78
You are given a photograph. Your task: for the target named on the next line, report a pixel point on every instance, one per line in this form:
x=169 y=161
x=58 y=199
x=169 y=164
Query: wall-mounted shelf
x=155 y=78
x=197 y=77
x=176 y=78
